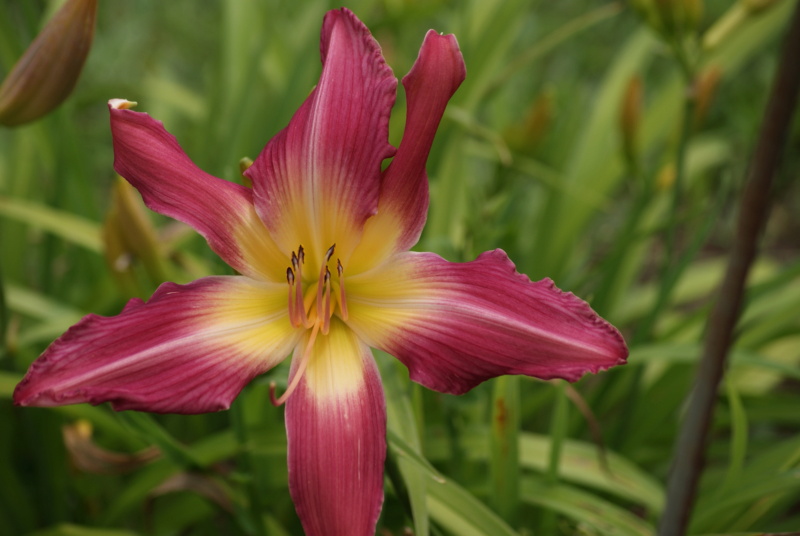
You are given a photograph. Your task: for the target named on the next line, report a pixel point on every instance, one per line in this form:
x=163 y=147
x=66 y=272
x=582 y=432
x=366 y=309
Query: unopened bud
x=244 y=165
x=647 y=11
x=666 y=177
x=691 y=12
x=679 y=16
x=47 y=72
x=630 y=116
x=757 y=6
x=705 y=88
x=129 y=236
x=526 y=135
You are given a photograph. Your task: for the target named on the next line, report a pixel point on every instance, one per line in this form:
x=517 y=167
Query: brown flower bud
x=47 y=72
x=630 y=116
x=526 y=135
x=705 y=87
x=757 y=6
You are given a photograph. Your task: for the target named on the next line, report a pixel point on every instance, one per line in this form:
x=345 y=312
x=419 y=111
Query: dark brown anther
x=329 y=253
x=290 y=276
x=339 y=267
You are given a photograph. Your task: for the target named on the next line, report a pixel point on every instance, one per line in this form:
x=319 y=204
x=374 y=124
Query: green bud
x=47 y=72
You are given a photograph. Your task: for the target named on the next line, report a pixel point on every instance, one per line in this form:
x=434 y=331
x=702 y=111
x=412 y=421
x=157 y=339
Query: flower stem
x=254 y=517
x=689 y=450
x=558 y=433
x=504 y=460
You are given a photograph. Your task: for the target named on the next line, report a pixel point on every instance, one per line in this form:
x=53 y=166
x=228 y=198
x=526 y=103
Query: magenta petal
x=455 y=325
x=317 y=181
x=336 y=427
x=433 y=79
x=189 y=349
x=150 y=159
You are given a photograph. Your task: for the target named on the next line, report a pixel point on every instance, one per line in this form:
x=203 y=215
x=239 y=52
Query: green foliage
x=529 y=158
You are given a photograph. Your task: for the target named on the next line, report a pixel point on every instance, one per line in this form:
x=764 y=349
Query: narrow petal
x=150 y=159
x=455 y=325
x=336 y=426
x=189 y=349
x=317 y=181
x=403 y=206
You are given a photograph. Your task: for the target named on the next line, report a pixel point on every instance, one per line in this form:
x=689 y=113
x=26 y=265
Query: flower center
x=311 y=307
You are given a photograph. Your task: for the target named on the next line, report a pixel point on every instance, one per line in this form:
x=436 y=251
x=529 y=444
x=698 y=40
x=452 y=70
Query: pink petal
x=189 y=349
x=403 y=206
x=317 y=181
x=455 y=325
x=150 y=159
x=336 y=427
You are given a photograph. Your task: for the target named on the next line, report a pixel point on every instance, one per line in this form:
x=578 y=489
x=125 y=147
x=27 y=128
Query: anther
x=322 y=269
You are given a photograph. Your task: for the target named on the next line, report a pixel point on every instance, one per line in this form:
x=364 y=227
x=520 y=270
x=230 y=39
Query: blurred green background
x=594 y=144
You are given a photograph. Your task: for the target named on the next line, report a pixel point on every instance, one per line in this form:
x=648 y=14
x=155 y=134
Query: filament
x=298 y=374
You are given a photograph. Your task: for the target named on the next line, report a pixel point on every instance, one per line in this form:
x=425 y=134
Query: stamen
x=342 y=299
x=300 y=318
x=322 y=269
x=326 y=316
x=298 y=374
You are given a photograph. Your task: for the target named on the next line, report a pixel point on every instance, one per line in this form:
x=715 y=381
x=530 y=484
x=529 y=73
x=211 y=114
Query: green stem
x=558 y=434
x=254 y=518
x=3 y=314
x=504 y=461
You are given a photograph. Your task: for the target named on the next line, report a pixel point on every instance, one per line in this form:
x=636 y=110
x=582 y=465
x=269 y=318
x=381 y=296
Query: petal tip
x=121 y=104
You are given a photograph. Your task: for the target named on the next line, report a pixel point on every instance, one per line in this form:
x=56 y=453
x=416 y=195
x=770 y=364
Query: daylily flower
x=321 y=242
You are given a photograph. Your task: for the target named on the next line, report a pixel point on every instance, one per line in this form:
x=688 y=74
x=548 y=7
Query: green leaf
x=404 y=444
x=601 y=515
x=68 y=529
x=461 y=513
x=80 y=231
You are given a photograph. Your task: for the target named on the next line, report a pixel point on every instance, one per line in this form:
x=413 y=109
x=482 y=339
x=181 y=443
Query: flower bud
x=757 y=6
x=526 y=135
x=47 y=72
x=705 y=87
x=629 y=118
x=129 y=236
x=244 y=164
x=665 y=179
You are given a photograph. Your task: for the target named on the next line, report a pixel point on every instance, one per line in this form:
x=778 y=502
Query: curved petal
x=336 y=427
x=189 y=349
x=149 y=157
x=317 y=181
x=455 y=325
x=403 y=206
